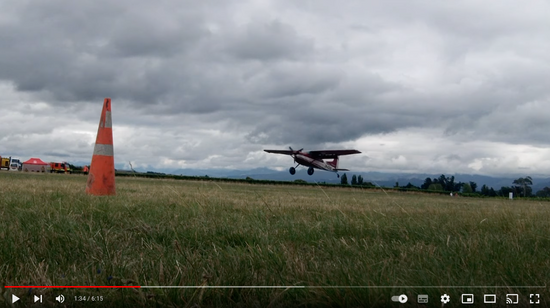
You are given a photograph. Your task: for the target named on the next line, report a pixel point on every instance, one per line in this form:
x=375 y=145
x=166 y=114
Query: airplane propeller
x=295 y=152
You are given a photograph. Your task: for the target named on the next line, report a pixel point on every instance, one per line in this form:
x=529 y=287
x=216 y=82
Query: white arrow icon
x=14 y=298
x=36 y=298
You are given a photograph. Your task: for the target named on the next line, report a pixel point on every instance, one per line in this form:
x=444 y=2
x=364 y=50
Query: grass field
x=185 y=233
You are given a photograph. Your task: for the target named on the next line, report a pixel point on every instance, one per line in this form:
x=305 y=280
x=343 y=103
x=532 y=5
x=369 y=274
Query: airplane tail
x=334 y=163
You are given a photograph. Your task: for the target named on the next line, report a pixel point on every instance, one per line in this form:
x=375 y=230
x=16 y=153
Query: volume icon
x=60 y=298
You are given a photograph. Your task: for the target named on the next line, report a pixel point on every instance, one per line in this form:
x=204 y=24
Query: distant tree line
x=356 y=180
x=520 y=187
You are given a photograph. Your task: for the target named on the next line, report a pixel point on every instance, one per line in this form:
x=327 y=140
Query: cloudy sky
x=417 y=86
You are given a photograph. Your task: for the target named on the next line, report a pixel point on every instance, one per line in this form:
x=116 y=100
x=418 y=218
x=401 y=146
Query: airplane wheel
x=310 y=170
x=337 y=175
x=292 y=170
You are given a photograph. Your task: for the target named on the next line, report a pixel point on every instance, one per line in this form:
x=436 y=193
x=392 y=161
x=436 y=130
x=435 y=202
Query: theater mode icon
x=489 y=298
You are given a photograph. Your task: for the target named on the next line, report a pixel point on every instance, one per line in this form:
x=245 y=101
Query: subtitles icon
x=489 y=298
x=422 y=298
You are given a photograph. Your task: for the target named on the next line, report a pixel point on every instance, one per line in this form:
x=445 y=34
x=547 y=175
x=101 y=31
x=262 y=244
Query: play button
x=14 y=298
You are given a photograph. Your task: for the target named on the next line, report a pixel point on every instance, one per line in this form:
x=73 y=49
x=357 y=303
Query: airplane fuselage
x=305 y=160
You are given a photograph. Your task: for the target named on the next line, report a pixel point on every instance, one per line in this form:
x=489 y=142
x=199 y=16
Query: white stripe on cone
x=103 y=149
x=108 y=122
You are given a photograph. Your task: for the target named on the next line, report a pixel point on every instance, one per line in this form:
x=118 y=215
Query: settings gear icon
x=445 y=298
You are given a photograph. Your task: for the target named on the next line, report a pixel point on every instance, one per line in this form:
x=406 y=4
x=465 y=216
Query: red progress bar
x=70 y=287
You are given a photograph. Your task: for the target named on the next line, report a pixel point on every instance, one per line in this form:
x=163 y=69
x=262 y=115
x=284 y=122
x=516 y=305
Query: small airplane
x=314 y=159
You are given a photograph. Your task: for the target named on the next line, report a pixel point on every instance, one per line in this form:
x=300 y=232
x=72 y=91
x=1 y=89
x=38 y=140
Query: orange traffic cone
x=101 y=177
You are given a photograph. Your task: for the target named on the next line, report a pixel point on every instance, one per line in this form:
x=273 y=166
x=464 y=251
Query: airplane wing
x=332 y=153
x=285 y=152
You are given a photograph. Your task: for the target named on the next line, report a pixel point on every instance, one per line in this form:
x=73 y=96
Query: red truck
x=62 y=167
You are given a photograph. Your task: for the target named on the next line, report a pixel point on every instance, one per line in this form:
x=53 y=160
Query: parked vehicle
x=5 y=163
x=62 y=167
x=16 y=165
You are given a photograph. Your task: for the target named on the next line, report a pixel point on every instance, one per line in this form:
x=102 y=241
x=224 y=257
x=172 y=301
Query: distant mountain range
x=377 y=178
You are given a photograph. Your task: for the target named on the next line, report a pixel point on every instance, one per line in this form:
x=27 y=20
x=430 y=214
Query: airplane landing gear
x=292 y=170
x=310 y=170
x=337 y=175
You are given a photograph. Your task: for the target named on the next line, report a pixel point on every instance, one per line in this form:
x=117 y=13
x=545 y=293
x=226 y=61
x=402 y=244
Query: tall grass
x=184 y=233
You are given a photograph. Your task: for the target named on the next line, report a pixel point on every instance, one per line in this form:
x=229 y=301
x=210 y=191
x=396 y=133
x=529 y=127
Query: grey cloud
x=79 y=57
x=57 y=154
x=312 y=126
x=272 y=40
x=290 y=79
x=279 y=73
x=145 y=38
x=517 y=124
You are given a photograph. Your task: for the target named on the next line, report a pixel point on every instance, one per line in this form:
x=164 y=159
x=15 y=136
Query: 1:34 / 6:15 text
x=88 y=298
